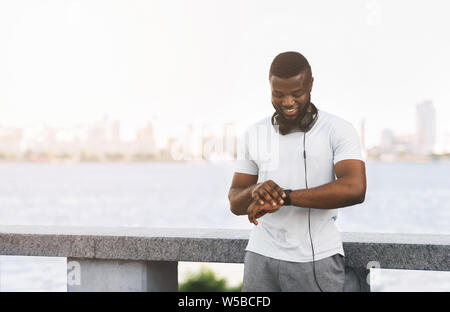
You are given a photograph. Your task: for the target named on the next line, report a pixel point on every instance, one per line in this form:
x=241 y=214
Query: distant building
x=425 y=128
x=387 y=143
x=97 y=136
x=10 y=142
x=145 y=143
x=115 y=131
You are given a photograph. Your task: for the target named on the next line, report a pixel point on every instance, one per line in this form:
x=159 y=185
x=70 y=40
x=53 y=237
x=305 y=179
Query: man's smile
x=290 y=112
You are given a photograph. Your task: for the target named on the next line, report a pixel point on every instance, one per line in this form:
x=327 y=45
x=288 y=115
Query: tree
x=206 y=280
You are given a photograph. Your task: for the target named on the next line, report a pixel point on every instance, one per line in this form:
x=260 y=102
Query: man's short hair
x=289 y=64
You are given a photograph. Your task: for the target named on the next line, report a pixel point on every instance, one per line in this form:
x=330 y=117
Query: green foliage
x=206 y=280
x=237 y=288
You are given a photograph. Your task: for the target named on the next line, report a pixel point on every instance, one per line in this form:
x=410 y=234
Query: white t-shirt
x=264 y=152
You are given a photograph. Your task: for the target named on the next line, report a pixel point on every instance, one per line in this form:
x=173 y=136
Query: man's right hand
x=268 y=191
x=256 y=210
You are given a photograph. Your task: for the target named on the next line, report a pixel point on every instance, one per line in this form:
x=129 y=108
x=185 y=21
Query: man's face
x=289 y=95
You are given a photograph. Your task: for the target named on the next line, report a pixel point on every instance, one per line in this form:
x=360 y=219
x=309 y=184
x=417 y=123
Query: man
x=293 y=170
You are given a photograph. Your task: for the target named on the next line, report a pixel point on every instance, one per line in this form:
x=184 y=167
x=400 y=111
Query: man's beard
x=291 y=124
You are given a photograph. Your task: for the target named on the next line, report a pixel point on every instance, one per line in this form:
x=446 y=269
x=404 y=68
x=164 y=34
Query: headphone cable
x=309 y=215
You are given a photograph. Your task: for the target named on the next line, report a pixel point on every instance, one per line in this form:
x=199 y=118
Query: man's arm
x=244 y=191
x=240 y=193
x=348 y=189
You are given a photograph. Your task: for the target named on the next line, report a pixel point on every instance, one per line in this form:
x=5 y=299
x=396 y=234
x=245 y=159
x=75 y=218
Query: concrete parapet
x=145 y=259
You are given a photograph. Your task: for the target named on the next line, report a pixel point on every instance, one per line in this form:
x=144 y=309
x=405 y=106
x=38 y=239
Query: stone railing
x=146 y=259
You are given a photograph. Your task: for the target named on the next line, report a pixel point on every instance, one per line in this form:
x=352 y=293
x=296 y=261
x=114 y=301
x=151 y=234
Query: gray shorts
x=268 y=274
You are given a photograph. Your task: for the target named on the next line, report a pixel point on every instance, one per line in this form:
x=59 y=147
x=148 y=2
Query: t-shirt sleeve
x=244 y=163
x=345 y=142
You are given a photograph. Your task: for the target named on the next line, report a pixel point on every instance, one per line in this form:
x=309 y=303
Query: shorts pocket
x=331 y=273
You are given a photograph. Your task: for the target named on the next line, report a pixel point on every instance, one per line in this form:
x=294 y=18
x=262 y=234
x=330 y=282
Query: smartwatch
x=287 y=199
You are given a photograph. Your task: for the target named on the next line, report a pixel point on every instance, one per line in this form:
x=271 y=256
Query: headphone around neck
x=306 y=123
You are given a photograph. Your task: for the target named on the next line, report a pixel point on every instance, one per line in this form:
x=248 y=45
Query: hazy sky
x=175 y=62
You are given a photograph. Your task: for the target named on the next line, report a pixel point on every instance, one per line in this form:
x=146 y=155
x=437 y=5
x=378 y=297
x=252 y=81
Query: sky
x=178 y=62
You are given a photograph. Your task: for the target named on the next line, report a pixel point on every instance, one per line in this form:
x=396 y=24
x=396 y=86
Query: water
x=401 y=198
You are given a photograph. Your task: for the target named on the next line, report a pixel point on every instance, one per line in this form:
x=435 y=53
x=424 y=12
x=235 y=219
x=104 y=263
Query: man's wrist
x=287 y=199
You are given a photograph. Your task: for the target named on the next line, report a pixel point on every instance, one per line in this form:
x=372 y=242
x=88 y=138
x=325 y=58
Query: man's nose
x=288 y=100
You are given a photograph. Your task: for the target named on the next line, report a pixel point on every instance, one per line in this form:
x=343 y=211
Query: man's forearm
x=240 y=199
x=339 y=193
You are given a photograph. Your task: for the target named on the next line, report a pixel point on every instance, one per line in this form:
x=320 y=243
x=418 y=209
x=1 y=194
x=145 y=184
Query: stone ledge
x=399 y=251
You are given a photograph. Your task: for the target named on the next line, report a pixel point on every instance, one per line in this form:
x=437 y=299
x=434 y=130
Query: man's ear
x=311 y=84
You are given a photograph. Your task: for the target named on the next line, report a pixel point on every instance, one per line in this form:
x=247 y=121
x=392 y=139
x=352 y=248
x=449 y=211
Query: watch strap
x=287 y=199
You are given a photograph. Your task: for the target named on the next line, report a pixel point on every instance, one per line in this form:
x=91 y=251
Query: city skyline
x=421 y=115
x=103 y=140
x=169 y=128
